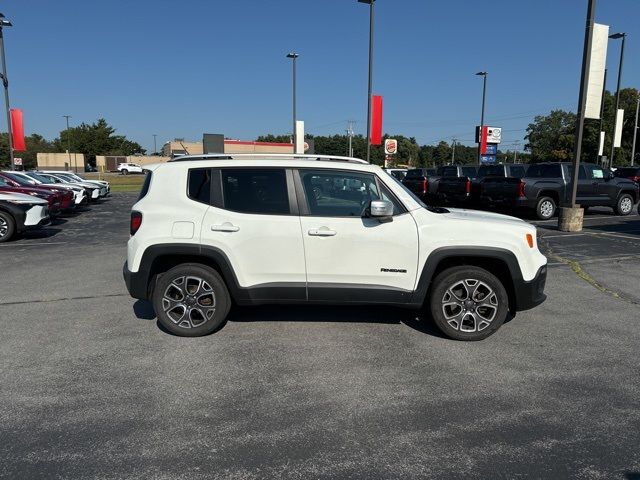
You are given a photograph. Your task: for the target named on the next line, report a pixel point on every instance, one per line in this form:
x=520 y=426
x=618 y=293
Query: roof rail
x=293 y=156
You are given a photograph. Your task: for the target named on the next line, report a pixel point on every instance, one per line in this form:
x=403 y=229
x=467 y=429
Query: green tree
x=96 y=139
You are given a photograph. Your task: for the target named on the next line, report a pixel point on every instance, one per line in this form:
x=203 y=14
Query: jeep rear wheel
x=468 y=303
x=191 y=300
x=7 y=227
x=124 y=171
x=546 y=208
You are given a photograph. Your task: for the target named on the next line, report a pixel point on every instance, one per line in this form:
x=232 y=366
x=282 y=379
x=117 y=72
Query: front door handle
x=321 y=232
x=225 y=227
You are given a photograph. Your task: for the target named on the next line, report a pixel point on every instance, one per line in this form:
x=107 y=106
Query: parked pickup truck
x=455 y=186
x=422 y=182
x=466 y=189
x=546 y=185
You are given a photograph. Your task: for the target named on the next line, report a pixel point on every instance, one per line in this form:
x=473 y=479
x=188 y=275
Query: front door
x=349 y=256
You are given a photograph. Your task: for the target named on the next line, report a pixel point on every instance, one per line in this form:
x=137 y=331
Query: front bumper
x=530 y=294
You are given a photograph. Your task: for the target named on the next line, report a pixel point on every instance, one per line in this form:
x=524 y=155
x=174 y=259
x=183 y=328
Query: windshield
x=38 y=177
x=19 y=179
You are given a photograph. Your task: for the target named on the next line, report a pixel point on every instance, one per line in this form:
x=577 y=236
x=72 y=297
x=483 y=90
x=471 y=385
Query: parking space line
x=617 y=235
x=31 y=244
x=563 y=235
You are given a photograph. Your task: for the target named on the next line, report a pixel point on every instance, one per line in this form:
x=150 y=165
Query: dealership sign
x=390 y=146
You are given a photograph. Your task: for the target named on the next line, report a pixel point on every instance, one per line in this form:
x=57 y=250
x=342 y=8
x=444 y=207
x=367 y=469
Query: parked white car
x=20 y=212
x=103 y=185
x=79 y=193
x=127 y=168
x=212 y=229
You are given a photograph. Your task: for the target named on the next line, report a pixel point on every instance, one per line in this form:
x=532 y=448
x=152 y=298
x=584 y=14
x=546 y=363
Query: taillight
x=636 y=178
x=425 y=186
x=468 y=186
x=136 y=221
x=521 y=189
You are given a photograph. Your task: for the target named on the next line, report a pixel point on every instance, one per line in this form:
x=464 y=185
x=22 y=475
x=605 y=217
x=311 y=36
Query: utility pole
x=515 y=153
x=616 y=36
x=293 y=56
x=453 y=150
x=5 y=81
x=350 y=137
x=484 y=95
x=67 y=117
x=155 y=149
x=371 y=4
x=604 y=91
x=635 y=134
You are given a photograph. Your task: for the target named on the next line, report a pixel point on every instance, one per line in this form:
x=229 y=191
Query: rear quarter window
x=145 y=186
x=199 y=185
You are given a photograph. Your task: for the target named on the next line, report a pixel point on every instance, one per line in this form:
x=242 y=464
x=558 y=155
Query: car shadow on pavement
x=627 y=228
x=44 y=232
x=143 y=310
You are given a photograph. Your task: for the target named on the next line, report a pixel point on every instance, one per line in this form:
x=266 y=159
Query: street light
x=67 y=117
x=484 y=94
x=293 y=56
x=617 y=36
x=6 y=23
x=370 y=2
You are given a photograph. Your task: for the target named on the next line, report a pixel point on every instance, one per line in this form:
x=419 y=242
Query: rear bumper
x=530 y=294
x=136 y=282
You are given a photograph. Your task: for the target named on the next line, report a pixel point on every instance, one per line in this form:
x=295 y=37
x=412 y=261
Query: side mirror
x=608 y=175
x=381 y=209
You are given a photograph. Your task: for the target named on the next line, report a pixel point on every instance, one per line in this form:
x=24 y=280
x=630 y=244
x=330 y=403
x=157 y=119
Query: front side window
x=256 y=190
x=341 y=194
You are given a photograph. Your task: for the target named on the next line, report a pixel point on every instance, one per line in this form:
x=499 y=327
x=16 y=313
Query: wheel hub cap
x=469 y=305
x=189 y=301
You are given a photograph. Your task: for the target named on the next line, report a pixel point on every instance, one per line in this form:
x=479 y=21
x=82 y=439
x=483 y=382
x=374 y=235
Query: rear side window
x=517 y=172
x=199 y=188
x=256 y=190
x=544 y=171
x=449 y=171
x=469 y=171
x=491 y=171
x=415 y=172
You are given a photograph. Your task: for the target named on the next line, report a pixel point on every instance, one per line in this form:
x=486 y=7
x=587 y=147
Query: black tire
x=186 y=312
x=468 y=303
x=124 y=171
x=624 y=205
x=7 y=227
x=545 y=208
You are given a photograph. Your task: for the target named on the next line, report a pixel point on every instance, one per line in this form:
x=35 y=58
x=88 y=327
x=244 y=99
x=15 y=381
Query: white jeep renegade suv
x=212 y=230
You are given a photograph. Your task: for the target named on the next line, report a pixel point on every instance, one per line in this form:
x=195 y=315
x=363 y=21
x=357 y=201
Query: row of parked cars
x=538 y=187
x=29 y=200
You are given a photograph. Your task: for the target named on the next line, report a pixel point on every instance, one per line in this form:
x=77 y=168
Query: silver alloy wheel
x=626 y=204
x=546 y=208
x=469 y=305
x=189 y=301
x=4 y=227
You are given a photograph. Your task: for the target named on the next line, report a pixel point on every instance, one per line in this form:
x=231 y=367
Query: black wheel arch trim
x=520 y=289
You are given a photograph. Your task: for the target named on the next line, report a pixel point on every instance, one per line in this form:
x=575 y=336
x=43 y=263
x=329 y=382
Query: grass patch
x=119 y=183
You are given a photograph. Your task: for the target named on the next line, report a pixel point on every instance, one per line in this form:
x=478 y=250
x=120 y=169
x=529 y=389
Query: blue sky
x=179 y=69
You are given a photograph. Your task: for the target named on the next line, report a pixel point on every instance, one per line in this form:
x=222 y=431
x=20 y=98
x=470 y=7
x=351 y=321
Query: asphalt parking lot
x=92 y=387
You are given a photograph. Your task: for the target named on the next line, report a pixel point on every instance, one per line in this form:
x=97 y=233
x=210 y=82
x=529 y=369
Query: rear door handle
x=321 y=232
x=225 y=227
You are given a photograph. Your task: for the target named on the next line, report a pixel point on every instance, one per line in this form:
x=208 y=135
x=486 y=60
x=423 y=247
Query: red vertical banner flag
x=483 y=140
x=17 y=130
x=376 y=120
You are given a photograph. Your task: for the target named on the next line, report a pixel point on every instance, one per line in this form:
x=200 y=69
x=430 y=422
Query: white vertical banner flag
x=299 y=146
x=597 y=65
x=601 y=147
x=617 y=136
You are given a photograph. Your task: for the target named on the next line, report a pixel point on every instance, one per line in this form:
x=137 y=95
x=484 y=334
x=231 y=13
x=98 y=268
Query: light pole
x=293 y=56
x=635 y=134
x=484 y=95
x=6 y=23
x=571 y=215
x=371 y=4
x=155 y=149
x=67 y=117
x=617 y=36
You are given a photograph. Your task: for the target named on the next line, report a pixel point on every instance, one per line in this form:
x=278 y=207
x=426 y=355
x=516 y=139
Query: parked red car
x=67 y=200
x=53 y=199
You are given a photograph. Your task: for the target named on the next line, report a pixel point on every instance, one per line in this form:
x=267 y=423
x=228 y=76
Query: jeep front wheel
x=468 y=303
x=191 y=300
x=7 y=227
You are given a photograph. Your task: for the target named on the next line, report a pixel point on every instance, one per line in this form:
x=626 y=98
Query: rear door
x=253 y=220
x=350 y=257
